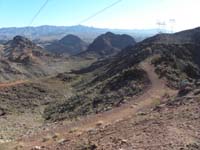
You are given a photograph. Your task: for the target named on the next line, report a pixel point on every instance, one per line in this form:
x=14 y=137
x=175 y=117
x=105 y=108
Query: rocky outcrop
x=20 y=58
x=22 y=50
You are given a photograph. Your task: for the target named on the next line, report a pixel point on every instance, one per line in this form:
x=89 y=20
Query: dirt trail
x=147 y=100
x=4 y=85
x=157 y=90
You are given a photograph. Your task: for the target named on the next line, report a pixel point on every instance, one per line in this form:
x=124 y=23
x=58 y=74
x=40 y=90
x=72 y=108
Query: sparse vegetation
x=178 y=65
x=99 y=96
x=160 y=113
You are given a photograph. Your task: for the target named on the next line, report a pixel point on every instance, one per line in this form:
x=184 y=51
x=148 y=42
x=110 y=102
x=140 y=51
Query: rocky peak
x=109 y=34
x=110 y=43
x=68 y=45
x=69 y=39
x=22 y=42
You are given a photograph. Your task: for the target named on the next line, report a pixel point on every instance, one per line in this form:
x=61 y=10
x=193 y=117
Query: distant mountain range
x=49 y=33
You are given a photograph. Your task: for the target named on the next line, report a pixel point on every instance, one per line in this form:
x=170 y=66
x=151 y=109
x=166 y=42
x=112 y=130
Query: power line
x=26 y=30
x=38 y=12
x=99 y=12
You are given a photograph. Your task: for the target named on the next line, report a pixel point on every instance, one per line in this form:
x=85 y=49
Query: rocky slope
x=20 y=59
x=108 y=44
x=178 y=55
x=184 y=37
x=169 y=122
x=129 y=100
x=172 y=123
x=68 y=45
x=174 y=61
x=22 y=50
x=95 y=94
x=106 y=83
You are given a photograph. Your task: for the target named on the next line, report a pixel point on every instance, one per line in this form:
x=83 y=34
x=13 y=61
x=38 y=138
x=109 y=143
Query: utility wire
x=38 y=12
x=99 y=12
x=26 y=30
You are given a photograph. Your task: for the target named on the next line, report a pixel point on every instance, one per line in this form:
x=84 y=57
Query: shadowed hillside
x=108 y=44
x=68 y=45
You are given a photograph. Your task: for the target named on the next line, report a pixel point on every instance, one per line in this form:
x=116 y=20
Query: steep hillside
x=68 y=45
x=106 y=83
x=170 y=122
x=179 y=54
x=184 y=37
x=95 y=94
x=108 y=44
x=175 y=61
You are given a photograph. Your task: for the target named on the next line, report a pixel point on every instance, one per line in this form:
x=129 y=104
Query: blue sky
x=128 y=14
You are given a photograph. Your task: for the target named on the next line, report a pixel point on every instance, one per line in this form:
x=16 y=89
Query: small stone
x=123 y=141
x=45 y=139
x=37 y=148
x=132 y=106
x=55 y=136
x=100 y=123
x=197 y=92
x=62 y=141
x=141 y=113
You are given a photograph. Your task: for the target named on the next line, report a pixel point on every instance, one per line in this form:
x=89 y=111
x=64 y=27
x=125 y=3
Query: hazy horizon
x=125 y=14
x=80 y=26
